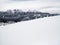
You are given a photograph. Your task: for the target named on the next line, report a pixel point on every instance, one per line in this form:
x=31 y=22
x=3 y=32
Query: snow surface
x=43 y=31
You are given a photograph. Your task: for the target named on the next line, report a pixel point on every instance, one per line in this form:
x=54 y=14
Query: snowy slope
x=43 y=31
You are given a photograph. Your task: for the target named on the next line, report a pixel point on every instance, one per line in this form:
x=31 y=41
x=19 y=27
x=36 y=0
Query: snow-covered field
x=43 y=31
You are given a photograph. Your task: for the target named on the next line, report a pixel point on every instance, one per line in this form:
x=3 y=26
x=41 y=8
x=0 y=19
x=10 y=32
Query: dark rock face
x=16 y=15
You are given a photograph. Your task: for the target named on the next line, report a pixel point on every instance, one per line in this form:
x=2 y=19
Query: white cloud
x=34 y=4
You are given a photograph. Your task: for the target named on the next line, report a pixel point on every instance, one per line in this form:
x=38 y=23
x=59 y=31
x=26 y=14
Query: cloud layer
x=28 y=4
x=36 y=0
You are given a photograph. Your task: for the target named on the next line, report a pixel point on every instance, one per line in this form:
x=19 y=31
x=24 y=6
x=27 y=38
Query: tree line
x=17 y=15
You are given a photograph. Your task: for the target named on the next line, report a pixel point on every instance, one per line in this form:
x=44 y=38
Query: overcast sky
x=28 y=4
x=34 y=0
